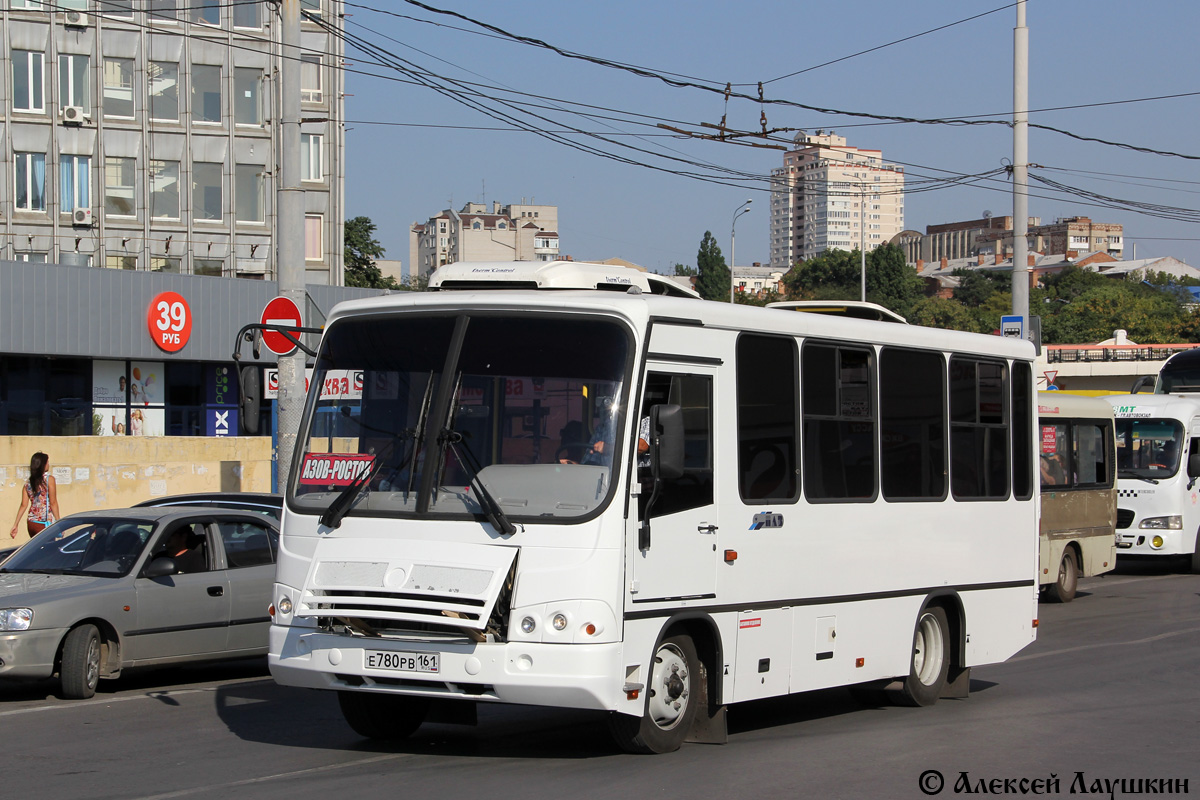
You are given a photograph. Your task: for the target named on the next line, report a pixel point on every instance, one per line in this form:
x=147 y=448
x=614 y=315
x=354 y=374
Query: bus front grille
x=1124 y=518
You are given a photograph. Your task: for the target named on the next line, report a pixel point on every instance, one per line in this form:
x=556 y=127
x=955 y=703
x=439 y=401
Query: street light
x=744 y=208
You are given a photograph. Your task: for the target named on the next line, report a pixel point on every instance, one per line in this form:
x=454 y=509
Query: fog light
x=285 y=605
x=559 y=622
x=529 y=625
x=1156 y=542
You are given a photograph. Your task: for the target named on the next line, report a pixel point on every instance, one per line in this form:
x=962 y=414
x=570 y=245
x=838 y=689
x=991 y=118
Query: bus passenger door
x=681 y=560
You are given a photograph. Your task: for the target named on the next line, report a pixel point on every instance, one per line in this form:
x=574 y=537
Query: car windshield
x=102 y=547
x=417 y=412
x=1147 y=447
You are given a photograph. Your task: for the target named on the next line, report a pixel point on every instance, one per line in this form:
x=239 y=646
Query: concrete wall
x=93 y=472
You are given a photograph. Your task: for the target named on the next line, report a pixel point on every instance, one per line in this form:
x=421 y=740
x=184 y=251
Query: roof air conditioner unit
x=77 y=19
x=72 y=115
x=82 y=216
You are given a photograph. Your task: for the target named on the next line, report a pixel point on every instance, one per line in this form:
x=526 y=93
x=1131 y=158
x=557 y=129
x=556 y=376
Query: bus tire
x=671 y=703
x=1063 y=588
x=930 y=659
x=79 y=672
x=383 y=716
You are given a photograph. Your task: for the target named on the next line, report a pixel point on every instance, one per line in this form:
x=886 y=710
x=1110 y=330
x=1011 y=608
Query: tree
x=837 y=275
x=362 y=248
x=714 y=279
x=684 y=271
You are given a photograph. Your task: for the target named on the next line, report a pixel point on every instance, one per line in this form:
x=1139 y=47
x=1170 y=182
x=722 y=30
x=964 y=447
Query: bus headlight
x=559 y=622
x=1171 y=523
x=285 y=605
x=528 y=625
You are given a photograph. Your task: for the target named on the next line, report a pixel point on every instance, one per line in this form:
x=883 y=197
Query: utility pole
x=1020 y=166
x=289 y=235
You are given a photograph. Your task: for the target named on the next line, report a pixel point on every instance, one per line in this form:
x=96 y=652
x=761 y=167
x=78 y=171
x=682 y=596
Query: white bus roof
x=856 y=309
x=485 y=275
x=1173 y=406
x=1074 y=406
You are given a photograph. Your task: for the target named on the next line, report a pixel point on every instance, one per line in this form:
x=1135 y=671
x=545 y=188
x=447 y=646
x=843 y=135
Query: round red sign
x=283 y=312
x=170 y=321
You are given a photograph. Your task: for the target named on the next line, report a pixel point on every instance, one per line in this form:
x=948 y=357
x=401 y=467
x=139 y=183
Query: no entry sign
x=280 y=311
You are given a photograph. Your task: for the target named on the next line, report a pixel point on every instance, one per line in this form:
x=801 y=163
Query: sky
x=413 y=151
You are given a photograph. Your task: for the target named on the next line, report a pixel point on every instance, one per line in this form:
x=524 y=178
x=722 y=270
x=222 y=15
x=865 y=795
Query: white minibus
x=1158 y=464
x=649 y=505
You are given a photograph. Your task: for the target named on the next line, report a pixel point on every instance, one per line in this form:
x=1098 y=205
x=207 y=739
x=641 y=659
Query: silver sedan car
x=99 y=592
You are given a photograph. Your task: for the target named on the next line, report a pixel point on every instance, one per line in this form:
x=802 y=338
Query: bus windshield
x=429 y=415
x=1148 y=448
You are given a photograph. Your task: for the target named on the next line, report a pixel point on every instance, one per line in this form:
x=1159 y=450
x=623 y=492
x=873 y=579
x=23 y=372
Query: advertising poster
x=147 y=387
x=108 y=383
x=148 y=422
x=108 y=420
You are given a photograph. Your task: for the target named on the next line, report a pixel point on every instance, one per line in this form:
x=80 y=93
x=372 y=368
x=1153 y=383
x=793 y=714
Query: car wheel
x=80 y=670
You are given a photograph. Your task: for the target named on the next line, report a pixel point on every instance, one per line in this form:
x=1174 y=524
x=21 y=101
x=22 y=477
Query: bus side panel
x=1007 y=633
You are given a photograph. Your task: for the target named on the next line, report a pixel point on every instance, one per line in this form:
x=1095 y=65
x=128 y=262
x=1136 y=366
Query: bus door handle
x=216 y=591
x=704 y=527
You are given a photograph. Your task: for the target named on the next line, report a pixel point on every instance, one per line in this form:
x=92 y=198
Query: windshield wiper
x=332 y=517
x=1122 y=473
x=491 y=508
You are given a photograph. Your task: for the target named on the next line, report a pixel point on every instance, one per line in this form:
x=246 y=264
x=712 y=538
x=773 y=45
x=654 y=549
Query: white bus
x=1158 y=465
x=651 y=506
x=1079 y=491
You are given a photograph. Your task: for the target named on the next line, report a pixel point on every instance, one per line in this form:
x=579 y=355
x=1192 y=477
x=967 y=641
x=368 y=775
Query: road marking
x=84 y=704
x=1147 y=640
x=1100 y=582
x=215 y=787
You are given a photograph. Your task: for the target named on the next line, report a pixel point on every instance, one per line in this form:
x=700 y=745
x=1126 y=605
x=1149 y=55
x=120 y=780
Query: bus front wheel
x=673 y=698
x=383 y=716
x=1063 y=588
x=930 y=658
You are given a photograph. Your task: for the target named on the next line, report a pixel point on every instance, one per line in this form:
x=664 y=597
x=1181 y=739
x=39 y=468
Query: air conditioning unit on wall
x=82 y=217
x=76 y=19
x=72 y=115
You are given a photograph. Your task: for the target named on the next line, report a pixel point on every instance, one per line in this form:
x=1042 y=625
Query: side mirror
x=1193 y=465
x=250 y=398
x=160 y=567
x=666 y=441
x=1141 y=383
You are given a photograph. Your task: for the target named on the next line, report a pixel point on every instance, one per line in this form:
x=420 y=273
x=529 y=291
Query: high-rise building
x=145 y=136
x=516 y=232
x=831 y=196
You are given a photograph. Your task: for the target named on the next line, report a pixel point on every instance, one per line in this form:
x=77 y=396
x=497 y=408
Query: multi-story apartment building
x=516 y=232
x=143 y=135
x=991 y=236
x=831 y=196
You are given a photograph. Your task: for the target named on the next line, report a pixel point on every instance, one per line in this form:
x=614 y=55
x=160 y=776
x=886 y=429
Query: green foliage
x=977 y=286
x=942 y=312
x=837 y=275
x=714 y=278
x=750 y=299
x=684 y=271
x=362 y=248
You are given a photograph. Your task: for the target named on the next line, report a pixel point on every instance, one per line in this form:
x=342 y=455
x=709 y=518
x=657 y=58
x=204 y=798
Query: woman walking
x=41 y=497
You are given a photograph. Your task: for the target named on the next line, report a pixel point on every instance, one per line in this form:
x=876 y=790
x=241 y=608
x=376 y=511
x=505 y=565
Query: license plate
x=402 y=662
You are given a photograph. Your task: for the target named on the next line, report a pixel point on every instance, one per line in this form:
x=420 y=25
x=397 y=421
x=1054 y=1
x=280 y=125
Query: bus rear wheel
x=1063 y=588
x=383 y=716
x=930 y=659
x=672 y=700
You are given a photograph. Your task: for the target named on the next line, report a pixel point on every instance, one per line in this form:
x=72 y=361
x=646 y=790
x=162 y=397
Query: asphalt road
x=1111 y=689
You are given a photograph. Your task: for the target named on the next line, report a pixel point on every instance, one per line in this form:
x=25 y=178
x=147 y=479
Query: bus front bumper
x=1141 y=542
x=586 y=676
